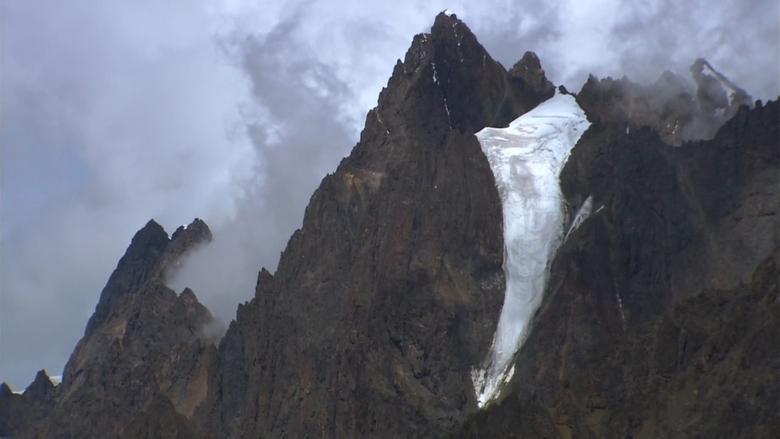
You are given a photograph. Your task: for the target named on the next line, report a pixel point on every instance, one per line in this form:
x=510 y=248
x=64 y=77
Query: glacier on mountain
x=526 y=159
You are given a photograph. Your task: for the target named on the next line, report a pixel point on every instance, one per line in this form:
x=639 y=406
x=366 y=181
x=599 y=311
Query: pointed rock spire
x=529 y=79
x=41 y=387
x=148 y=259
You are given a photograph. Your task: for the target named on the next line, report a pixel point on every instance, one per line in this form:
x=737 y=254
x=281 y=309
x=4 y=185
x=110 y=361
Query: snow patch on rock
x=582 y=214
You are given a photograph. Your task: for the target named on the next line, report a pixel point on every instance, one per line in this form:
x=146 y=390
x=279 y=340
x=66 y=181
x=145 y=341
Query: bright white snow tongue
x=526 y=159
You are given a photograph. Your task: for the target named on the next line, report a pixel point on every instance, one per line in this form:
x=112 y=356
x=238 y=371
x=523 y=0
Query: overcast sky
x=113 y=112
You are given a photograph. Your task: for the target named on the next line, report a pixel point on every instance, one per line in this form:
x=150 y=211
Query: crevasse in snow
x=526 y=159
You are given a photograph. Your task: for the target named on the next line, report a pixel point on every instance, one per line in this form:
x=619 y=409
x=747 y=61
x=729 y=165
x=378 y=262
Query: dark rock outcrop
x=144 y=350
x=676 y=109
x=390 y=292
x=19 y=412
x=661 y=306
x=150 y=255
x=529 y=83
x=159 y=419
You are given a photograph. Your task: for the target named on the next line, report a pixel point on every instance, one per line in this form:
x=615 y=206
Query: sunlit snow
x=526 y=159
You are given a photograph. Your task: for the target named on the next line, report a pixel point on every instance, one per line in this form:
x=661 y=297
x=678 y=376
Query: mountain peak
x=152 y=224
x=140 y=327
x=151 y=235
x=460 y=84
x=673 y=106
x=446 y=18
x=151 y=256
x=41 y=386
x=450 y=30
x=188 y=296
x=715 y=91
x=22 y=409
x=183 y=241
x=197 y=230
x=529 y=79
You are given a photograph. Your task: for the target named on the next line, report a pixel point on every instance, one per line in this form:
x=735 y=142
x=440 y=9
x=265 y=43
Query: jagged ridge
x=389 y=294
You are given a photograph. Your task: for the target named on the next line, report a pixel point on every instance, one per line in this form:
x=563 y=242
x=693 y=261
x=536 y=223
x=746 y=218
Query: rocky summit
x=653 y=307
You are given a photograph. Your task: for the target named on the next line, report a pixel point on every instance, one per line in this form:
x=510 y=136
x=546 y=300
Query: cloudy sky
x=113 y=112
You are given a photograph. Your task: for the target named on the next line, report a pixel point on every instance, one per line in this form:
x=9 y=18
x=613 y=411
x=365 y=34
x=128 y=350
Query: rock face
x=530 y=85
x=662 y=305
x=671 y=105
x=390 y=292
x=19 y=411
x=659 y=318
x=144 y=348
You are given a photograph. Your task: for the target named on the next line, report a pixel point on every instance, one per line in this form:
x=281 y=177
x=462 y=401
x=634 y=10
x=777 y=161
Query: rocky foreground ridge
x=659 y=318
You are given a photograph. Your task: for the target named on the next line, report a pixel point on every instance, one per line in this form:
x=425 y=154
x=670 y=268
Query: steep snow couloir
x=526 y=159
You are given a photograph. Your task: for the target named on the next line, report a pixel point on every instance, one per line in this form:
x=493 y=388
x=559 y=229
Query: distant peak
x=446 y=22
x=40 y=387
x=42 y=378
x=187 y=238
x=672 y=106
x=151 y=234
x=188 y=296
x=264 y=280
x=530 y=78
x=529 y=69
x=152 y=223
x=264 y=275
x=715 y=91
x=152 y=227
x=197 y=230
x=529 y=61
x=148 y=259
x=5 y=389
